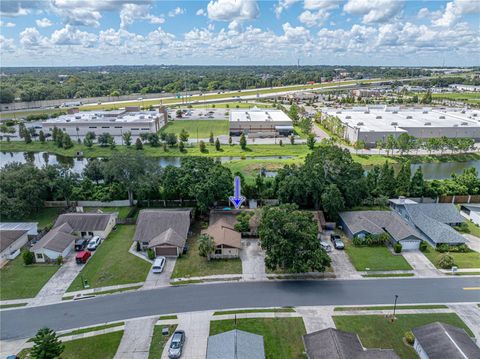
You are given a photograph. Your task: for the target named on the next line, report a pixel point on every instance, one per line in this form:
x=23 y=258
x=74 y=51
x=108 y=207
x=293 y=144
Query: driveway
x=470 y=314
x=316 y=318
x=420 y=264
x=159 y=280
x=253 y=260
x=56 y=287
x=136 y=339
x=342 y=267
x=473 y=242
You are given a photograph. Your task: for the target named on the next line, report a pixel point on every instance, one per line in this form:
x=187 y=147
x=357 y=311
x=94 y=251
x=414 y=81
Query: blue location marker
x=237 y=199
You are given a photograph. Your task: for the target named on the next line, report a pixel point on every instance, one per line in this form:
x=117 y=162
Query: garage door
x=410 y=245
x=166 y=251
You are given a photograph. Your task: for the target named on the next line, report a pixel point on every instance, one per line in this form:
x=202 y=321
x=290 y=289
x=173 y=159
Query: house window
x=218 y=251
x=39 y=256
x=83 y=234
x=90 y=234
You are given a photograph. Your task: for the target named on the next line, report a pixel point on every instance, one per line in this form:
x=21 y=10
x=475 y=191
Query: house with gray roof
x=439 y=340
x=89 y=224
x=362 y=223
x=235 y=344
x=471 y=212
x=433 y=220
x=59 y=241
x=332 y=343
x=11 y=240
x=163 y=230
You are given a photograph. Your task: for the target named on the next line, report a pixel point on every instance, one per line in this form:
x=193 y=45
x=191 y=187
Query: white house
x=14 y=236
x=59 y=241
x=471 y=212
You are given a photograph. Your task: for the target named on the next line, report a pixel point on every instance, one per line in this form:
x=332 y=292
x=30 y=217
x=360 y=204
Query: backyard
x=461 y=260
x=197 y=128
x=375 y=258
x=44 y=217
x=113 y=264
x=375 y=331
x=21 y=281
x=122 y=211
x=282 y=337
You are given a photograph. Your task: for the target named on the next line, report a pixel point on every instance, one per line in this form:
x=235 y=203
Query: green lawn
x=375 y=331
x=20 y=281
x=468 y=97
x=200 y=128
x=122 y=211
x=159 y=340
x=250 y=168
x=112 y=264
x=193 y=265
x=282 y=336
x=102 y=346
x=375 y=259
x=472 y=228
x=462 y=260
x=264 y=310
x=390 y=307
x=44 y=217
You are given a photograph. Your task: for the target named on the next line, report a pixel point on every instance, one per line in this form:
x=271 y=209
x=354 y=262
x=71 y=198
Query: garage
x=410 y=244
x=166 y=251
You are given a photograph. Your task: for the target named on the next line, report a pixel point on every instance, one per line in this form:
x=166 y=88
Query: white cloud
x=7 y=24
x=283 y=5
x=454 y=11
x=12 y=8
x=321 y=4
x=6 y=45
x=133 y=12
x=313 y=18
x=44 y=22
x=228 y=10
x=374 y=10
x=31 y=38
x=201 y=12
x=176 y=11
x=70 y=35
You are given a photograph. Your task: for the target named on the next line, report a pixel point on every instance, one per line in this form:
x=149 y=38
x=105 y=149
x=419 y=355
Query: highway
x=24 y=322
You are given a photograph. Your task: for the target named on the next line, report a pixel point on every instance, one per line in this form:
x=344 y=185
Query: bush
x=446 y=261
x=59 y=260
x=28 y=257
x=409 y=337
x=150 y=254
x=397 y=248
x=423 y=246
x=463 y=227
x=442 y=248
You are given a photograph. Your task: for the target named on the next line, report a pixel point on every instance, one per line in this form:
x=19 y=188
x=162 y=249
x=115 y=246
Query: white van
x=159 y=264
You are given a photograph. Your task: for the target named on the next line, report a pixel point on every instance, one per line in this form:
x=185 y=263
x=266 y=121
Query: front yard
x=375 y=259
x=375 y=331
x=193 y=265
x=462 y=260
x=113 y=264
x=20 y=281
x=159 y=340
x=282 y=337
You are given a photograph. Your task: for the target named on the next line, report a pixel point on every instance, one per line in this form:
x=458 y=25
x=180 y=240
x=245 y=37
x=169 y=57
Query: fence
x=118 y=203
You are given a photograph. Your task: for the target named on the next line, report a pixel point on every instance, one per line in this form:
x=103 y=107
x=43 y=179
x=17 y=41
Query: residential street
x=24 y=322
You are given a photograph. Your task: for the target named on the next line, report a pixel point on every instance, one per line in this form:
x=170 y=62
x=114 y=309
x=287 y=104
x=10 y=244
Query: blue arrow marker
x=237 y=199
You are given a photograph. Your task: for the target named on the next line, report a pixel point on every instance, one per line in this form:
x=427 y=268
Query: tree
x=217 y=144
x=154 y=140
x=405 y=143
x=332 y=201
x=181 y=146
x=139 y=144
x=104 y=139
x=171 y=139
x=127 y=138
x=206 y=245
x=289 y=238
x=293 y=113
x=184 y=135
x=87 y=141
x=386 y=181
x=203 y=147
x=91 y=135
x=41 y=136
x=115 y=93
x=111 y=143
x=403 y=180
x=426 y=98
x=243 y=141
x=211 y=140
x=178 y=113
x=47 y=345
x=359 y=145
x=28 y=257
x=391 y=144
x=27 y=137
x=7 y=95
x=94 y=170
x=22 y=130
x=63 y=183
x=311 y=141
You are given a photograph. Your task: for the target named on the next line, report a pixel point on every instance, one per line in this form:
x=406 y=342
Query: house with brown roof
x=89 y=224
x=228 y=241
x=163 y=230
x=59 y=241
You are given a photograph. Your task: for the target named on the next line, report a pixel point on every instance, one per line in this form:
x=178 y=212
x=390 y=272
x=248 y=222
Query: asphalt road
x=22 y=323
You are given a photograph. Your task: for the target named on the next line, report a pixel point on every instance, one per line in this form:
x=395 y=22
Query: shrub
x=463 y=227
x=59 y=260
x=28 y=257
x=442 y=248
x=446 y=261
x=150 y=254
x=397 y=248
x=409 y=337
x=423 y=246
x=357 y=241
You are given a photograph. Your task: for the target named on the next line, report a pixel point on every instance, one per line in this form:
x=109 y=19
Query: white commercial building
x=373 y=123
x=258 y=122
x=465 y=88
x=115 y=122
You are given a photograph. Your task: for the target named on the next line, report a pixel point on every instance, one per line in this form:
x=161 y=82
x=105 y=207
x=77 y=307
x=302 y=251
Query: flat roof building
x=259 y=122
x=377 y=122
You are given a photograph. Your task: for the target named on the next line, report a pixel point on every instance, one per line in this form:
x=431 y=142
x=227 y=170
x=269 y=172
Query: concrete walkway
x=316 y=318
x=158 y=280
x=11 y=347
x=421 y=265
x=253 y=260
x=470 y=314
x=197 y=329
x=136 y=339
x=103 y=289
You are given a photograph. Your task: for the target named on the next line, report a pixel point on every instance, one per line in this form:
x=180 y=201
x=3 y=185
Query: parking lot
x=200 y=114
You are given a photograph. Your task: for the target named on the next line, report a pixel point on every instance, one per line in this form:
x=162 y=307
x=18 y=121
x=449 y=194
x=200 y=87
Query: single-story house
x=361 y=223
x=163 y=230
x=439 y=340
x=11 y=240
x=89 y=224
x=433 y=220
x=332 y=343
x=30 y=227
x=59 y=241
x=228 y=241
x=471 y=212
x=235 y=344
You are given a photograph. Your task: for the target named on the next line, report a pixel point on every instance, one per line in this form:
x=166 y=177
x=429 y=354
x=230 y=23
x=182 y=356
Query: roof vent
x=348 y=117
x=425 y=111
x=338 y=112
x=455 y=125
x=394 y=111
x=442 y=117
x=409 y=117
x=394 y=124
x=464 y=124
x=367 y=111
x=360 y=123
x=427 y=124
x=378 y=117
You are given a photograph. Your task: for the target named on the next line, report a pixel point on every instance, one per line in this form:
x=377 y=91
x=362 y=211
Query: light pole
x=394 y=306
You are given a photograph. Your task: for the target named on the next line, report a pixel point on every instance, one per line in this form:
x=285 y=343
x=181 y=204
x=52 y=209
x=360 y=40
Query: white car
x=159 y=264
x=326 y=246
x=93 y=243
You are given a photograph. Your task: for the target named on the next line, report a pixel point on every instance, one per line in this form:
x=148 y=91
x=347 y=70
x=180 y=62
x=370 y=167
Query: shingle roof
x=8 y=237
x=332 y=343
x=153 y=225
x=221 y=228
x=85 y=222
x=440 y=340
x=30 y=226
x=442 y=212
x=57 y=239
x=235 y=344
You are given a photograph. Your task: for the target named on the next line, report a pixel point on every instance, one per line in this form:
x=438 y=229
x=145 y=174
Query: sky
x=239 y=32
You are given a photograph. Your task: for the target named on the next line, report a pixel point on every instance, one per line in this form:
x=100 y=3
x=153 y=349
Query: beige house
x=88 y=225
x=228 y=241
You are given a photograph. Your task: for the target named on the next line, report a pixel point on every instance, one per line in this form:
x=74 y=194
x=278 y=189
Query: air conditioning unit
x=409 y=117
x=442 y=117
x=348 y=117
x=394 y=124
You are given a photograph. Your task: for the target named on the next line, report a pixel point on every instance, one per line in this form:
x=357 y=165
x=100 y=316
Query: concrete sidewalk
x=136 y=339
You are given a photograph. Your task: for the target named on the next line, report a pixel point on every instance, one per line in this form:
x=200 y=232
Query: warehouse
x=370 y=124
x=260 y=123
x=115 y=122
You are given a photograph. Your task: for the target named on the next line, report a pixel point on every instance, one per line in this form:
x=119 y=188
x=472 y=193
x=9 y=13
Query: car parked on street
x=81 y=244
x=94 y=243
x=159 y=264
x=337 y=242
x=176 y=345
x=82 y=257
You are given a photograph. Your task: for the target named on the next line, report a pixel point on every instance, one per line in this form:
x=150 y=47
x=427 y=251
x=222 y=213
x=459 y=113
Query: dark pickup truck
x=80 y=244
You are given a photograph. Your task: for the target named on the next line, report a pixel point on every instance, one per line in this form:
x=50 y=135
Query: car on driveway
x=159 y=264
x=82 y=257
x=337 y=242
x=94 y=243
x=176 y=345
x=81 y=244
x=325 y=245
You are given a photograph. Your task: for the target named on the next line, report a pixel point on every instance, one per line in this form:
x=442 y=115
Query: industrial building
x=373 y=123
x=260 y=123
x=115 y=122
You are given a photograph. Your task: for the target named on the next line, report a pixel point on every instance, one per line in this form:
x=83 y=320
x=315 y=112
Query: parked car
x=93 y=243
x=80 y=244
x=82 y=257
x=159 y=264
x=326 y=246
x=337 y=242
x=176 y=345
